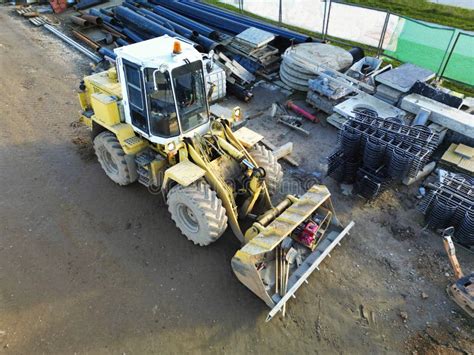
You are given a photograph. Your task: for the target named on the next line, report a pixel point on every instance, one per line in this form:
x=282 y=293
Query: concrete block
x=383 y=109
x=449 y=117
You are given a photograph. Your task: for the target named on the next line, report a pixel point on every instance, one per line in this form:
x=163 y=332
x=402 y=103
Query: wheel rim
x=186 y=215
x=109 y=162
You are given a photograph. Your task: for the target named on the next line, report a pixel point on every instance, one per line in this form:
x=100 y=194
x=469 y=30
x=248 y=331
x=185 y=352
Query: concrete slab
x=449 y=117
x=383 y=109
x=404 y=77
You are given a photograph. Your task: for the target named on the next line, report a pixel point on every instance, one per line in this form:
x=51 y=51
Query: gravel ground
x=90 y=267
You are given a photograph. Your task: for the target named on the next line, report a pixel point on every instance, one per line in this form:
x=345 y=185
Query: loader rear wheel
x=112 y=158
x=197 y=212
x=266 y=160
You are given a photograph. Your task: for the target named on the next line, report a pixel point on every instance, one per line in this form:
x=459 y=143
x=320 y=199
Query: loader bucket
x=275 y=263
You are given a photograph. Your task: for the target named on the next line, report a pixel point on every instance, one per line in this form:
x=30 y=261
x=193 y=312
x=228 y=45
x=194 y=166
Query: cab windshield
x=162 y=109
x=188 y=82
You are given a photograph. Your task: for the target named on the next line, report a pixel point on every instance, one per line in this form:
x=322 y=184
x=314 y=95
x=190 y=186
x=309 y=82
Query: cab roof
x=157 y=51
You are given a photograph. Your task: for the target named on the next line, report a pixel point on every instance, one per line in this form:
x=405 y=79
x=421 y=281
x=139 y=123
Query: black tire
x=197 y=212
x=112 y=158
x=266 y=160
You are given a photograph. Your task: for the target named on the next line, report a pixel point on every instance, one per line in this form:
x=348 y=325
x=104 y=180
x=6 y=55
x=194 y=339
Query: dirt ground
x=90 y=267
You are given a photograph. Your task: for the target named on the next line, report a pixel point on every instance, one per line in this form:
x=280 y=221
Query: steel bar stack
x=450 y=202
x=373 y=152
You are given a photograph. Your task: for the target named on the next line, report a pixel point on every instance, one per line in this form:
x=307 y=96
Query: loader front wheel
x=197 y=212
x=112 y=158
x=266 y=160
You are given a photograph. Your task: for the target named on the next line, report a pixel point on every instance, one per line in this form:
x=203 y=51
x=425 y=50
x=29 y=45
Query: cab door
x=136 y=95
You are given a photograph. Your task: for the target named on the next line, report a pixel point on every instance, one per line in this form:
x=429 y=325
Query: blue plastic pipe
x=203 y=16
x=142 y=23
x=282 y=32
x=121 y=42
x=107 y=53
x=106 y=18
x=132 y=35
x=186 y=22
x=194 y=36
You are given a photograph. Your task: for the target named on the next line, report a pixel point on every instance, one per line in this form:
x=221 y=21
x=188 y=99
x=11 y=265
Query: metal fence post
x=327 y=20
x=280 y=10
x=324 y=16
x=382 y=35
x=444 y=63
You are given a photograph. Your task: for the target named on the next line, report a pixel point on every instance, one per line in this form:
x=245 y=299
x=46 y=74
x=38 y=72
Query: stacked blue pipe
x=144 y=24
x=203 y=16
x=225 y=20
x=184 y=21
x=194 y=36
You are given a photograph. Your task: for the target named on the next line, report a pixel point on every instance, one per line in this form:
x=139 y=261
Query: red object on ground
x=307 y=235
x=58 y=5
x=302 y=112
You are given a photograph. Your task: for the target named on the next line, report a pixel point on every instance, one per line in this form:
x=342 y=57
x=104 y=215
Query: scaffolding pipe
x=73 y=43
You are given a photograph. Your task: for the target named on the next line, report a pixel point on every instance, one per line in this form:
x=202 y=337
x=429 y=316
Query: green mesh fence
x=429 y=46
x=460 y=66
x=419 y=44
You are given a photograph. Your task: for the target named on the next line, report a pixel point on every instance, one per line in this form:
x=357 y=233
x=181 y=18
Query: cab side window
x=135 y=90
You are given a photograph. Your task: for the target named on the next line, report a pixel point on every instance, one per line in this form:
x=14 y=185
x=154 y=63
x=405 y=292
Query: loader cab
x=163 y=89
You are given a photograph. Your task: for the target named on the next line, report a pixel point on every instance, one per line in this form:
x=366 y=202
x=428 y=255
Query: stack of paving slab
x=395 y=83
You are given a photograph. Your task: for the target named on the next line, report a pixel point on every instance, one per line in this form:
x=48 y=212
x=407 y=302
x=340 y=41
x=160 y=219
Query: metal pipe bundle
x=104 y=17
x=73 y=43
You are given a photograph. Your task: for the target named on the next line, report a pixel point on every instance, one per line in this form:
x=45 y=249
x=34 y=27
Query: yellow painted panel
x=247 y=137
x=130 y=143
x=464 y=150
x=105 y=109
x=467 y=164
x=104 y=82
x=184 y=173
x=450 y=156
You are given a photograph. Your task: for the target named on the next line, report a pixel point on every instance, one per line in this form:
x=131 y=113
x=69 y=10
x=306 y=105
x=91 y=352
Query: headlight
x=170 y=146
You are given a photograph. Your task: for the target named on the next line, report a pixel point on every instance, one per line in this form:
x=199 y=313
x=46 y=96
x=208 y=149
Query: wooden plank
x=465 y=151
x=272 y=147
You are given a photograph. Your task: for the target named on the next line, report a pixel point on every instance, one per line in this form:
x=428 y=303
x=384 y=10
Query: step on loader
x=150 y=122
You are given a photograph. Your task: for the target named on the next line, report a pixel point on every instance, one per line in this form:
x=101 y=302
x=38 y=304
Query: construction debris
x=287 y=158
x=283 y=117
x=462 y=291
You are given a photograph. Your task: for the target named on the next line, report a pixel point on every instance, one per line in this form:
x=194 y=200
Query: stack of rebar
x=450 y=203
x=373 y=152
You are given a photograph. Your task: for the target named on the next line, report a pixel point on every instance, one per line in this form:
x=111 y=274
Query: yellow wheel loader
x=150 y=122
